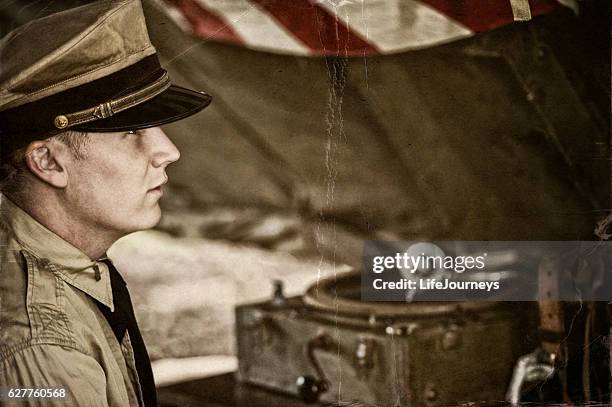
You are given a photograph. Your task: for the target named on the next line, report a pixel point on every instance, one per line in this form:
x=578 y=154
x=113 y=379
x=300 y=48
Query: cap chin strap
x=111 y=107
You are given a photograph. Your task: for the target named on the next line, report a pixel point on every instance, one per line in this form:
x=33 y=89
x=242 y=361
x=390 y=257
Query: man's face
x=116 y=185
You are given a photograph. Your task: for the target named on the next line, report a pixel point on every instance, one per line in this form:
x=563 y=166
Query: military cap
x=90 y=68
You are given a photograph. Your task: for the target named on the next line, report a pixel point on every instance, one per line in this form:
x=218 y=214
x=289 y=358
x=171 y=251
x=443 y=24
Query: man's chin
x=154 y=218
x=145 y=221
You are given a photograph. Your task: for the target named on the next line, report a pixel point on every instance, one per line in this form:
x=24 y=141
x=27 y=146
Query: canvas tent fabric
x=445 y=142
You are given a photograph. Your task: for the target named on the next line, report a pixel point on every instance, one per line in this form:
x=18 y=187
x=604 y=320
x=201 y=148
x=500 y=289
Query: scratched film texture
x=300 y=159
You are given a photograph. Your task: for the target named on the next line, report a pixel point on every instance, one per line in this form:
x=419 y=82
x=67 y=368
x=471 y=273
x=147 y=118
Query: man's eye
x=131 y=133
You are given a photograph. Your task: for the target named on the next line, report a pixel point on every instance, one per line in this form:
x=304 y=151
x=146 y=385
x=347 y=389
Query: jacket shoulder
x=14 y=321
x=31 y=309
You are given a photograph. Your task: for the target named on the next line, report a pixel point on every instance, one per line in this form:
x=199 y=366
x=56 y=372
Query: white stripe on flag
x=396 y=25
x=255 y=27
x=175 y=15
x=573 y=4
x=520 y=10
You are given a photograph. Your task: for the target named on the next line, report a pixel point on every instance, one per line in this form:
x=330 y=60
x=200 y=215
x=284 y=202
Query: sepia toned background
x=501 y=136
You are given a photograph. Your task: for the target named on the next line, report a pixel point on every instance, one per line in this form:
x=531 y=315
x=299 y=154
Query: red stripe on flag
x=318 y=30
x=478 y=15
x=205 y=23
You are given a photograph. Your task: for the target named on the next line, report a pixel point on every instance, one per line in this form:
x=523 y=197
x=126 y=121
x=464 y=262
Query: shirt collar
x=72 y=265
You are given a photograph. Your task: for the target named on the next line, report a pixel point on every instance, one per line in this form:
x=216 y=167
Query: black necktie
x=123 y=320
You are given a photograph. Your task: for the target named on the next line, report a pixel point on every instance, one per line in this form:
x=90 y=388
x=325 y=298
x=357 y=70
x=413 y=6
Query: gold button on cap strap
x=114 y=106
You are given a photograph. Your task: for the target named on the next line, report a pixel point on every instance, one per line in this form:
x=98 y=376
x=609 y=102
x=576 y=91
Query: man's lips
x=158 y=187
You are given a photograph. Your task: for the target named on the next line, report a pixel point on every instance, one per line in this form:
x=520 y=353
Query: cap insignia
x=61 y=121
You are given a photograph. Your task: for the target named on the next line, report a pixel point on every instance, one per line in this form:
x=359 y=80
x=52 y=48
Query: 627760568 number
x=28 y=393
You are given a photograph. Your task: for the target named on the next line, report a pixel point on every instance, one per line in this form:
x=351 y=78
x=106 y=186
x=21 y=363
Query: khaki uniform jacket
x=51 y=330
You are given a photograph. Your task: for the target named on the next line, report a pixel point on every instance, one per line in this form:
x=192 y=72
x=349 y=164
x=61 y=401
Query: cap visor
x=175 y=103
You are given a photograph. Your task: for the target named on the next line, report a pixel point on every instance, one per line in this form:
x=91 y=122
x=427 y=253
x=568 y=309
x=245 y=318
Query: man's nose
x=164 y=151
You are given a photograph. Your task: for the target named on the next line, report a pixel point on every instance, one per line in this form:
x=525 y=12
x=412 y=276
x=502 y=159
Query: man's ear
x=45 y=159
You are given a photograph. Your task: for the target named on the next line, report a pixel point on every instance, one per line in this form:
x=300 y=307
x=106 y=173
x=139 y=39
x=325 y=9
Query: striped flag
x=347 y=27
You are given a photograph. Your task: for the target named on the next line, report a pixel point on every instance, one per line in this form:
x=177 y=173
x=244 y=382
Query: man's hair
x=14 y=172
